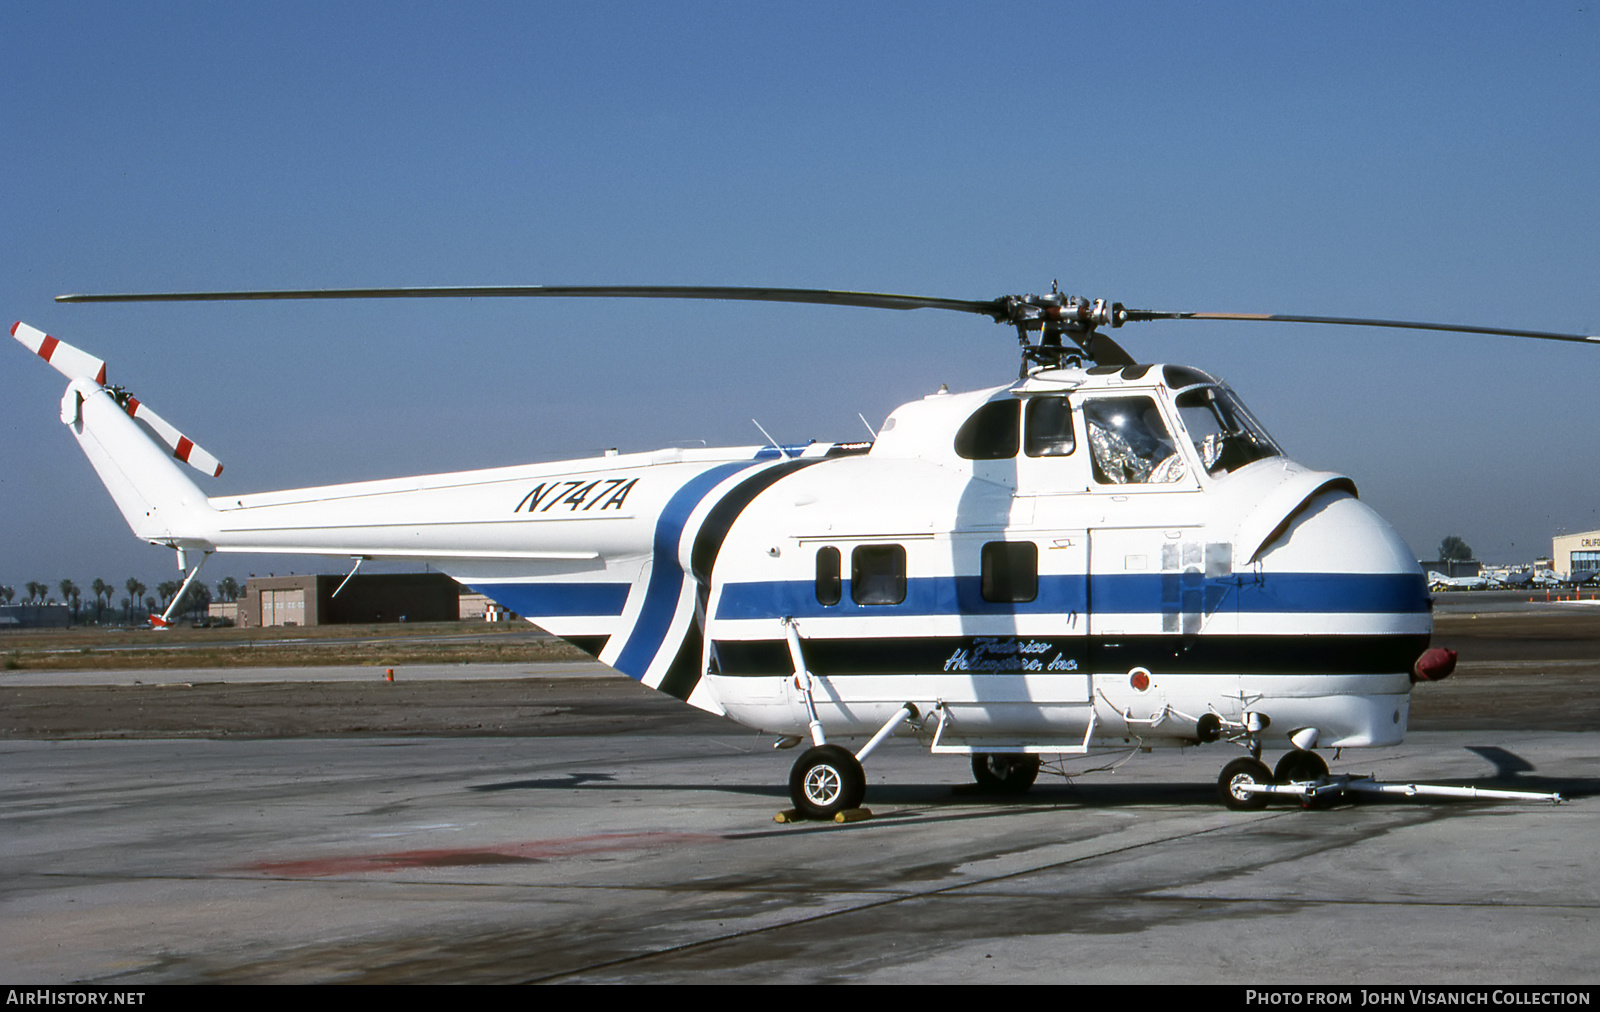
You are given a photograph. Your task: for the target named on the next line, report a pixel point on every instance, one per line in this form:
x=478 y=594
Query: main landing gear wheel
x=1299 y=766
x=1236 y=775
x=825 y=781
x=1004 y=774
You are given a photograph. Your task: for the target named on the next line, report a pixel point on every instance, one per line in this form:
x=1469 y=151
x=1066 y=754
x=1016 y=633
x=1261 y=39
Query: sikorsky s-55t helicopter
x=1100 y=555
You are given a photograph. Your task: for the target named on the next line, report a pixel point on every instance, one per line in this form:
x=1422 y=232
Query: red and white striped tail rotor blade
x=73 y=363
x=184 y=448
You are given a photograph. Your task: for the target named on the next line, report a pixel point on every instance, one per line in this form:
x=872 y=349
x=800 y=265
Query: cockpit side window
x=1130 y=442
x=1048 y=432
x=1226 y=436
x=991 y=433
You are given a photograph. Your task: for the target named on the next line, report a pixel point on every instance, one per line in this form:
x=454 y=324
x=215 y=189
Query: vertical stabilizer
x=154 y=494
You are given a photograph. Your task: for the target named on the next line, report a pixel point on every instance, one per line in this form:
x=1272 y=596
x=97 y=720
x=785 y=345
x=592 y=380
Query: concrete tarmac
x=655 y=858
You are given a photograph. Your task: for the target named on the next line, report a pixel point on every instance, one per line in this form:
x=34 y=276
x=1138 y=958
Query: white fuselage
x=1083 y=556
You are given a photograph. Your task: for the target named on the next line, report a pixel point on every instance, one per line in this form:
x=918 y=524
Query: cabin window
x=1010 y=571
x=878 y=574
x=1049 y=428
x=991 y=433
x=1130 y=442
x=829 y=583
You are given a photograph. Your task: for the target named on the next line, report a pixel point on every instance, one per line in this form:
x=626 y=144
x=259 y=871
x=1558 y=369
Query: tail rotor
x=75 y=363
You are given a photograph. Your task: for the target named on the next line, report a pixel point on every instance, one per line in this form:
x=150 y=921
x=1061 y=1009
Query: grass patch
x=388 y=645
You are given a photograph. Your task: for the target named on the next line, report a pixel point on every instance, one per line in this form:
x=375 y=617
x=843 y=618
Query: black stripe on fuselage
x=1165 y=655
x=714 y=531
x=683 y=674
x=591 y=645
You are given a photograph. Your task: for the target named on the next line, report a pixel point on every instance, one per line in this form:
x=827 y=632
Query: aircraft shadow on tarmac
x=1511 y=772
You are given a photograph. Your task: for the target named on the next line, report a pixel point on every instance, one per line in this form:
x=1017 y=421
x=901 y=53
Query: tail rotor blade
x=73 y=363
x=184 y=448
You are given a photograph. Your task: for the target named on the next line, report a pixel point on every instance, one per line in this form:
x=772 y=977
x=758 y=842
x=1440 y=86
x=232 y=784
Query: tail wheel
x=1004 y=774
x=1238 y=774
x=825 y=781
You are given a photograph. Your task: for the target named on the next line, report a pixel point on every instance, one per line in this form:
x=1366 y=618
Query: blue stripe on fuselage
x=666 y=576
x=1268 y=593
x=558 y=600
x=1139 y=593
x=960 y=595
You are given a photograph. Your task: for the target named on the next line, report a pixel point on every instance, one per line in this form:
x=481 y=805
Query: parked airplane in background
x=1099 y=555
x=1514 y=579
x=1439 y=581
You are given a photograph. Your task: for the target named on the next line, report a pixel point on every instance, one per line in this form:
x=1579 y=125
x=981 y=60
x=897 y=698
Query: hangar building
x=1574 y=554
x=308 y=600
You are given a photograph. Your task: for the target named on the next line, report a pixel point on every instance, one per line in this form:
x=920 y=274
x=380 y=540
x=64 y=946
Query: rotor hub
x=1057 y=315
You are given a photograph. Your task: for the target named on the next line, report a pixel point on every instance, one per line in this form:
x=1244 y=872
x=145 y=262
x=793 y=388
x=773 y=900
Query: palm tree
x=69 y=595
x=228 y=589
x=101 y=589
x=198 y=596
x=135 y=592
x=37 y=591
x=165 y=589
x=7 y=593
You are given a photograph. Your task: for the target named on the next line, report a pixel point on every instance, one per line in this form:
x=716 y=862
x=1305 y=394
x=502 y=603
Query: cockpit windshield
x=1226 y=436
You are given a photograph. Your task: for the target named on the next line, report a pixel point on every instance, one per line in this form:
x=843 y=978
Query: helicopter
x=1099 y=556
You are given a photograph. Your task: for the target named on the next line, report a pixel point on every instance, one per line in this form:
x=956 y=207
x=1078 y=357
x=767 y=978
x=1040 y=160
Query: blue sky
x=1415 y=161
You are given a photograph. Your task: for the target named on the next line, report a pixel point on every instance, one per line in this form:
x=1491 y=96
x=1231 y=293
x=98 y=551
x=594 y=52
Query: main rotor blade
x=1023 y=311
x=1142 y=315
x=870 y=300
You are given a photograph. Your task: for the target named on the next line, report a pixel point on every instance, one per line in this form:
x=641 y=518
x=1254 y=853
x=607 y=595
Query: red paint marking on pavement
x=505 y=853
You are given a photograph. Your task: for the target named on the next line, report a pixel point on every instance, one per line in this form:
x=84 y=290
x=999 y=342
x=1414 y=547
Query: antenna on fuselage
x=770 y=440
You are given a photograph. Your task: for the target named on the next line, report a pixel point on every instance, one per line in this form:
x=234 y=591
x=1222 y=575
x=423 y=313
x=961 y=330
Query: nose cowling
x=1338 y=578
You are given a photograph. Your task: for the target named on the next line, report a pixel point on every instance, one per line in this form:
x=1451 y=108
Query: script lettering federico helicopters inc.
x=1102 y=554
